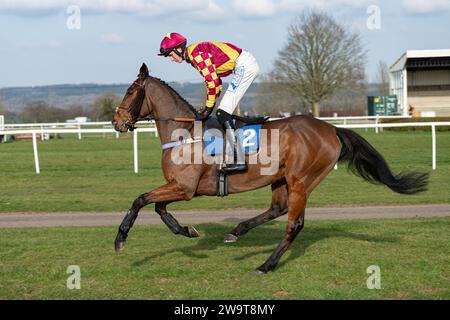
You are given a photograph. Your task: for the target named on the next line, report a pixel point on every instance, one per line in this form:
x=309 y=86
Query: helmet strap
x=179 y=51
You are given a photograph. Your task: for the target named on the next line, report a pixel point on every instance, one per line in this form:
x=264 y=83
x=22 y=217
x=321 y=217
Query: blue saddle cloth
x=248 y=137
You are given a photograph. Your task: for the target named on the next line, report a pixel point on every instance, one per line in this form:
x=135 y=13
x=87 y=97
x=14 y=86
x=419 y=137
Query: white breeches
x=244 y=73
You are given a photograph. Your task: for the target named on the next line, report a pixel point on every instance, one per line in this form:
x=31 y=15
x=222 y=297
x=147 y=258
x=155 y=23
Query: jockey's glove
x=204 y=113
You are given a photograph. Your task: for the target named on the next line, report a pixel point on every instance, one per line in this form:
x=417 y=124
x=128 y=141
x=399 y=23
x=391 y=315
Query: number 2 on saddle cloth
x=248 y=136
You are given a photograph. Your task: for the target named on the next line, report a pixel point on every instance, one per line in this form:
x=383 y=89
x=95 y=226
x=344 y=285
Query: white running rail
x=34 y=133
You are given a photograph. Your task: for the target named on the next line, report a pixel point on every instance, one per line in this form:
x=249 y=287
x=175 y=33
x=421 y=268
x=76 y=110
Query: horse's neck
x=167 y=105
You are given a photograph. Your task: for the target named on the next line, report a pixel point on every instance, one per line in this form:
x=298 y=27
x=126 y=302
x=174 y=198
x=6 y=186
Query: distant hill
x=68 y=95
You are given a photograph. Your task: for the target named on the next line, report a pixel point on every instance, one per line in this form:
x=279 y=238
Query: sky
x=44 y=42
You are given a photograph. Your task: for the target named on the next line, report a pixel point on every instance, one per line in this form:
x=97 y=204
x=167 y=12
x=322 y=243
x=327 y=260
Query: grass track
x=328 y=260
x=96 y=174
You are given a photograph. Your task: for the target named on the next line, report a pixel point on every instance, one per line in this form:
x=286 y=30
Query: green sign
x=382 y=105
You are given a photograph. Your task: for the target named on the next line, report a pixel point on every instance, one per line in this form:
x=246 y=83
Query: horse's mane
x=176 y=94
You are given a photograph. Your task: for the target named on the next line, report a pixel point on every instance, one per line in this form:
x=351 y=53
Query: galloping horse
x=308 y=150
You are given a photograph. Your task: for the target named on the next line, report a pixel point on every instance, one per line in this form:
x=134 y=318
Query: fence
x=361 y=120
x=79 y=125
x=70 y=125
x=34 y=133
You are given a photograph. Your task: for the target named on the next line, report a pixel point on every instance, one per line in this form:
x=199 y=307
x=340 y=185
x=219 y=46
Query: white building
x=421 y=79
x=78 y=120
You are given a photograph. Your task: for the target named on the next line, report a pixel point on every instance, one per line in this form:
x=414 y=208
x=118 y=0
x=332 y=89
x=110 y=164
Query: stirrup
x=230 y=167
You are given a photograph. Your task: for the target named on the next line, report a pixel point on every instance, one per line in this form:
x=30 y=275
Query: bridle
x=135 y=107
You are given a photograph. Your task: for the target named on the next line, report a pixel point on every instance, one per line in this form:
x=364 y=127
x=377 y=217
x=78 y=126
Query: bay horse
x=308 y=150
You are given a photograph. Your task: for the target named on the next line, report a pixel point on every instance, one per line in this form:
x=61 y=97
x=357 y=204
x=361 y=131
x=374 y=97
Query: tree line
x=102 y=109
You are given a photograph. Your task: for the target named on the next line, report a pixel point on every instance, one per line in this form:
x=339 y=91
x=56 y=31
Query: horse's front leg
x=167 y=193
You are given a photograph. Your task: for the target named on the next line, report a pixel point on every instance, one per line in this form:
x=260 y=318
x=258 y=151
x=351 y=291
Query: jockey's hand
x=204 y=113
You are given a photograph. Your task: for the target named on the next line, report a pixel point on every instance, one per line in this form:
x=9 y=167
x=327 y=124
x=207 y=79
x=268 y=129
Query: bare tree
x=273 y=97
x=382 y=78
x=40 y=111
x=320 y=57
x=3 y=109
x=104 y=107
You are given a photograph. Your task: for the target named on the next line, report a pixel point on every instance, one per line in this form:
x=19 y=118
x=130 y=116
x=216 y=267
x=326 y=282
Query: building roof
x=415 y=54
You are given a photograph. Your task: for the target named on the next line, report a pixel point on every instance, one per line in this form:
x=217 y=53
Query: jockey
x=215 y=60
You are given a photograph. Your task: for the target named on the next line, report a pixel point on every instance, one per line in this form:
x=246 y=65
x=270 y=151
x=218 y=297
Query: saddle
x=239 y=122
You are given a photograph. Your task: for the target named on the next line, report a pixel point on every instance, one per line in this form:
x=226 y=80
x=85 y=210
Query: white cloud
x=255 y=8
x=267 y=8
x=198 y=10
x=426 y=6
x=144 y=7
x=212 y=12
x=177 y=5
x=206 y=10
x=18 y=6
x=112 y=38
x=24 y=5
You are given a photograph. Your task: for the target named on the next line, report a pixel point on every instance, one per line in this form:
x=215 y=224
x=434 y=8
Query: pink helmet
x=170 y=42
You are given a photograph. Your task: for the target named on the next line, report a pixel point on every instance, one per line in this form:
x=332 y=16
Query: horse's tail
x=368 y=163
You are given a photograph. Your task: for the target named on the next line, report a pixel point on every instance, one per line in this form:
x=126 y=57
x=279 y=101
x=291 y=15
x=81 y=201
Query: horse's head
x=130 y=109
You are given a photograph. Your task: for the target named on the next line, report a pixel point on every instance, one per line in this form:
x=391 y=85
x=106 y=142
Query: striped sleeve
x=202 y=61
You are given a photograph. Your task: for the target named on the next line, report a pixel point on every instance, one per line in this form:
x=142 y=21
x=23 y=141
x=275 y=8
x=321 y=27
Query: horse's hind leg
x=296 y=212
x=277 y=209
x=172 y=223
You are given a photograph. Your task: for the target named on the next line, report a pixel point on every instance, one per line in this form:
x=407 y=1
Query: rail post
x=433 y=138
x=376 y=124
x=135 y=147
x=35 y=150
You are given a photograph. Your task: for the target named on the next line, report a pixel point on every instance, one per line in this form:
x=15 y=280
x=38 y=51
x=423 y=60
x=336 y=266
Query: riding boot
x=231 y=138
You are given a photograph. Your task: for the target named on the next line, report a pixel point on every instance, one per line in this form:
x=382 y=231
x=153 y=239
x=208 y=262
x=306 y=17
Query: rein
x=133 y=110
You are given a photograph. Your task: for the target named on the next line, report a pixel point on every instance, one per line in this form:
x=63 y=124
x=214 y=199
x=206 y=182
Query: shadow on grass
x=268 y=236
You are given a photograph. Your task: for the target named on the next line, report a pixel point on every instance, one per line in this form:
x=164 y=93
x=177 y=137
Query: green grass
x=96 y=174
x=328 y=260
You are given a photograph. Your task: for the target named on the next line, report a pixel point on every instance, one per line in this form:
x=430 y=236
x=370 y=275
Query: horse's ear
x=143 y=71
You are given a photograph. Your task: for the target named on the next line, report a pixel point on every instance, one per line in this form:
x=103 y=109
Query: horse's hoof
x=193 y=233
x=119 y=246
x=264 y=269
x=230 y=238
x=119 y=243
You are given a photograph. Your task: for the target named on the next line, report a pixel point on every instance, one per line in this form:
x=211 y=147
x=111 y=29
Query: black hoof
x=264 y=269
x=230 y=238
x=119 y=243
x=193 y=233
